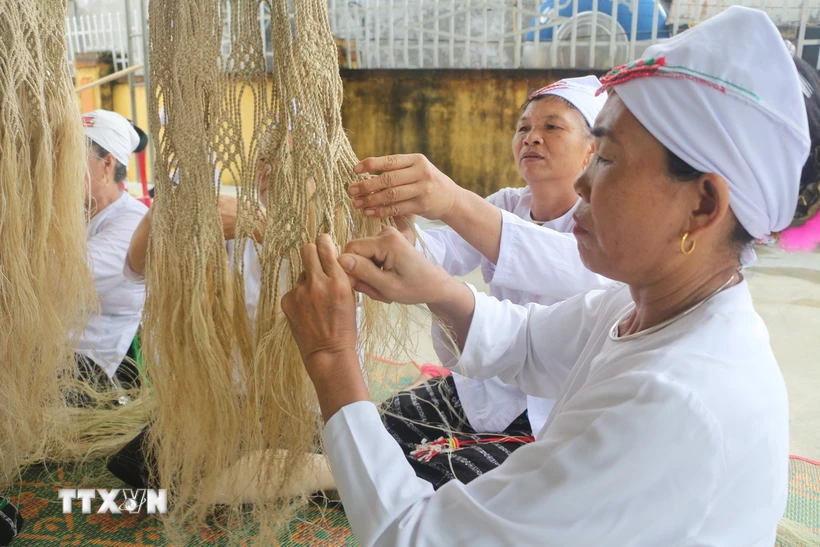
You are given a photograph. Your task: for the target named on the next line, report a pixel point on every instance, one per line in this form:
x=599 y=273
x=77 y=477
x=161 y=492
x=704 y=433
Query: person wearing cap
x=114 y=215
x=517 y=236
x=671 y=422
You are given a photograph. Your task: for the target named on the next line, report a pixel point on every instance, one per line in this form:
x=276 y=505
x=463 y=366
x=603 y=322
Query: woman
x=525 y=234
x=671 y=420
x=114 y=216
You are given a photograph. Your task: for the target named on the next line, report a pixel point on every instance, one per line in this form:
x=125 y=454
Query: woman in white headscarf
x=517 y=236
x=671 y=420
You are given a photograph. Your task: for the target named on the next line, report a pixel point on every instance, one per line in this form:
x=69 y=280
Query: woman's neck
x=103 y=199
x=551 y=200
x=673 y=295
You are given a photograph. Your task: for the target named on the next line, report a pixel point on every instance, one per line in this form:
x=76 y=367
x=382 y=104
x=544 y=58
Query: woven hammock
x=227 y=390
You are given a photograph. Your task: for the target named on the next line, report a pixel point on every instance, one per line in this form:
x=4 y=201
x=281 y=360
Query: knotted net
x=227 y=387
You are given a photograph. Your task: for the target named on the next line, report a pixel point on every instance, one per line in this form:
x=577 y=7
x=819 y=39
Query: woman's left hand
x=321 y=308
x=321 y=311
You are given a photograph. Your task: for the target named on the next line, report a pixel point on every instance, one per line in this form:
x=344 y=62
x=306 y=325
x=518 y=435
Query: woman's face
x=551 y=142
x=633 y=214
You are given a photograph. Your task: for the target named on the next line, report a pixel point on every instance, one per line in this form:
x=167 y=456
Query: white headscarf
x=725 y=97
x=579 y=92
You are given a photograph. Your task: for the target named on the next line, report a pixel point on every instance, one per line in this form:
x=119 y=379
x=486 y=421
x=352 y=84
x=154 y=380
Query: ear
x=110 y=164
x=711 y=203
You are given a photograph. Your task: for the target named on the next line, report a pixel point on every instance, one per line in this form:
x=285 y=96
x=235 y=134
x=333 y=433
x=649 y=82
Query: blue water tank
x=624 y=17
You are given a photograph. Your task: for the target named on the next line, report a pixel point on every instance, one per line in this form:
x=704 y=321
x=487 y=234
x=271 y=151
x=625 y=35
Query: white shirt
x=251 y=268
x=676 y=438
x=109 y=334
x=252 y=274
x=537 y=262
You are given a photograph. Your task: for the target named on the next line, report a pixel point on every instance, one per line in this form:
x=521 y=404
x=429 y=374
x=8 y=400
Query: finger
x=404 y=208
x=385 y=163
x=365 y=271
x=311 y=262
x=366 y=289
x=388 y=196
x=328 y=255
x=374 y=249
x=390 y=179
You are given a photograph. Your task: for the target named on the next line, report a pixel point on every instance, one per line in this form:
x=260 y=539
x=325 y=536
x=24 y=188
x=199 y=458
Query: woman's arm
x=540 y=261
x=534 y=347
x=601 y=474
x=139 y=245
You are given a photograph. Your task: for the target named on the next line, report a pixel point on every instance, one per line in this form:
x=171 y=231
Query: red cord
x=521 y=439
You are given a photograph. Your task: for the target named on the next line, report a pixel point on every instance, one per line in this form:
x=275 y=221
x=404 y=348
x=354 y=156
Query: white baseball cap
x=113 y=132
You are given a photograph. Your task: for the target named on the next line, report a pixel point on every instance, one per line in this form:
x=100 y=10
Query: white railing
x=524 y=34
x=413 y=34
x=105 y=33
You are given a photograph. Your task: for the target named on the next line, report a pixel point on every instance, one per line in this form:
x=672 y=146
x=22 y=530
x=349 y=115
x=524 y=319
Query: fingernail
x=358 y=202
x=353 y=190
x=347 y=263
x=358 y=168
x=369 y=212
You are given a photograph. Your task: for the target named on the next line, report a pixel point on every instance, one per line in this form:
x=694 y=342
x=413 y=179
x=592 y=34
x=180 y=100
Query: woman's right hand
x=389 y=269
x=407 y=185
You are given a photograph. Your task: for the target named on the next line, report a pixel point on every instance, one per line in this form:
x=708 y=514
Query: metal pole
x=146 y=78
x=128 y=25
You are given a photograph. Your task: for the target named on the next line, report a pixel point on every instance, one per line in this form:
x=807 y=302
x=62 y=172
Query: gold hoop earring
x=683 y=248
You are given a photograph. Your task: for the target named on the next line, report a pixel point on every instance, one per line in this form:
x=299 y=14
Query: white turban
x=725 y=97
x=579 y=92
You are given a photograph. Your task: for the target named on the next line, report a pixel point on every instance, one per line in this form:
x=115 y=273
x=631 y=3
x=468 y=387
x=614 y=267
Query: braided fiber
x=226 y=389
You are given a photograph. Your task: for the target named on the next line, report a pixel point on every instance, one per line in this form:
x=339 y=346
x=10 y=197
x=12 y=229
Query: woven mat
x=47 y=526
x=804 y=499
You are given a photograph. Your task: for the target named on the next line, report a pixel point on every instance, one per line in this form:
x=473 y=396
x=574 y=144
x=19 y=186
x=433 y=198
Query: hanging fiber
x=44 y=279
x=230 y=389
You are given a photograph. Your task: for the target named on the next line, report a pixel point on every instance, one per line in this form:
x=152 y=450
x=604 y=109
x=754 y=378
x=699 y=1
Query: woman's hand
x=405 y=226
x=321 y=310
x=389 y=269
x=408 y=185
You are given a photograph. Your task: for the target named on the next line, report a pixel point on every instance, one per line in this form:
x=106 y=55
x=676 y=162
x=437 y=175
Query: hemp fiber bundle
x=45 y=286
x=226 y=390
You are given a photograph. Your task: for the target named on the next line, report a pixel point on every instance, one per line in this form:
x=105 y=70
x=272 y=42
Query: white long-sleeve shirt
x=109 y=333
x=675 y=438
x=538 y=262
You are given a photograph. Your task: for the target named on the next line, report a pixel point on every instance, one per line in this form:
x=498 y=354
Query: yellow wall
x=122 y=105
x=463 y=120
